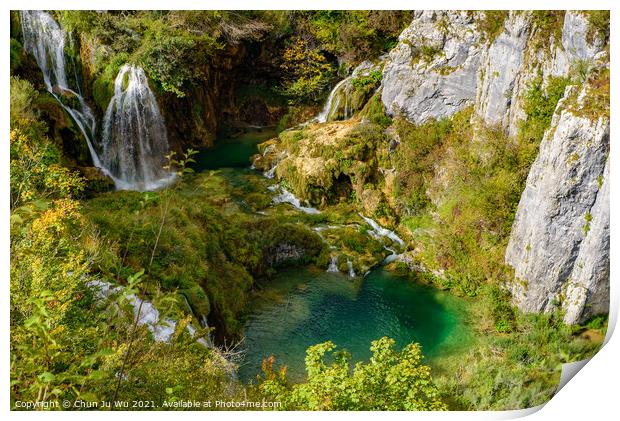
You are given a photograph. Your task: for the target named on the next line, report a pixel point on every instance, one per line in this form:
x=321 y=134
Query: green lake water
x=303 y=307
x=232 y=151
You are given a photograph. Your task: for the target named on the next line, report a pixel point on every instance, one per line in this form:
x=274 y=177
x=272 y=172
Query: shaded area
x=232 y=151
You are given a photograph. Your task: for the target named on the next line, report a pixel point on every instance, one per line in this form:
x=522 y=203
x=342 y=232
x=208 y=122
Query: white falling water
x=383 y=232
x=341 y=91
x=162 y=330
x=333 y=265
x=287 y=197
x=351 y=271
x=134 y=141
x=147 y=314
x=45 y=40
x=392 y=256
x=271 y=173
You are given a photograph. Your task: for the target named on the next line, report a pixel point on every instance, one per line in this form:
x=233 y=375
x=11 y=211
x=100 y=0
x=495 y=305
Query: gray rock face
x=432 y=72
x=285 y=252
x=574 y=37
x=559 y=244
x=588 y=288
x=502 y=63
x=513 y=59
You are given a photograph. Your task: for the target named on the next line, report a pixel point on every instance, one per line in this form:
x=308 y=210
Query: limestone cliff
x=444 y=62
x=559 y=245
x=432 y=72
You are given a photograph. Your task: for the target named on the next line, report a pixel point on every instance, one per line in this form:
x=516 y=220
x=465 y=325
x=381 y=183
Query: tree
x=391 y=380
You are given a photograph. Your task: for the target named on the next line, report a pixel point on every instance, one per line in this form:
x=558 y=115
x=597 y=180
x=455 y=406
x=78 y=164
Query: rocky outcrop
x=502 y=63
x=432 y=72
x=522 y=52
x=444 y=63
x=588 y=289
x=559 y=244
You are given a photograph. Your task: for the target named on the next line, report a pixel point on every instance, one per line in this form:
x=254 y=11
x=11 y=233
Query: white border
x=592 y=394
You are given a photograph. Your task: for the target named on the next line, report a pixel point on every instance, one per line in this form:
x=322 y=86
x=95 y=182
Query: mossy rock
x=103 y=90
x=198 y=300
x=96 y=181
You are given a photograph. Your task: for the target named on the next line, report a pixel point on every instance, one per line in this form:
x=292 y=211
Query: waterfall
x=144 y=311
x=351 y=271
x=271 y=173
x=45 y=40
x=287 y=197
x=341 y=91
x=134 y=141
x=333 y=265
x=342 y=101
x=378 y=230
x=392 y=256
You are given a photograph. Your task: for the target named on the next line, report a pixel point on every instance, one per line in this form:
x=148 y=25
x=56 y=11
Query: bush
x=391 y=380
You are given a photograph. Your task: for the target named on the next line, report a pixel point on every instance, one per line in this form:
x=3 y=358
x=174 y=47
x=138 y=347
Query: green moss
x=17 y=54
x=549 y=22
x=493 y=23
x=588 y=218
x=598 y=25
x=374 y=111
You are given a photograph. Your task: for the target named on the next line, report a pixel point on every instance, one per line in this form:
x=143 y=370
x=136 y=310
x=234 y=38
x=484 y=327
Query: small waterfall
x=383 y=232
x=162 y=330
x=134 y=141
x=45 y=40
x=287 y=197
x=393 y=255
x=333 y=265
x=342 y=103
x=351 y=271
x=271 y=173
x=342 y=91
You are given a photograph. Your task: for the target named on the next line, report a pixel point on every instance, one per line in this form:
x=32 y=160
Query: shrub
x=391 y=380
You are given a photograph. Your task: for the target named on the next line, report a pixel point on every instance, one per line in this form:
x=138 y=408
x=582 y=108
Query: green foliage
x=464 y=229
x=22 y=97
x=539 y=104
x=514 y=371
x=391 y=380
x=415 y=156
x=17 y=55
x=493 y=23
x=36 y=172
x=307 y=72
x=598 y=24
x=369 y=81
x=597 y=101
x=354 y=35
x=374 y=111
x=548 y=22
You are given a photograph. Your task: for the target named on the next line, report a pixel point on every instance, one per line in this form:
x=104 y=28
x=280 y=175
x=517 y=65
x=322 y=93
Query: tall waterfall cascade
x=45 y=40
x=134 y=142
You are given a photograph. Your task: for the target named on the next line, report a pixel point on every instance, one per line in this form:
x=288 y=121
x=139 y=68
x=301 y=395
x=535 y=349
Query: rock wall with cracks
x=559 y=244
x=444 y=63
